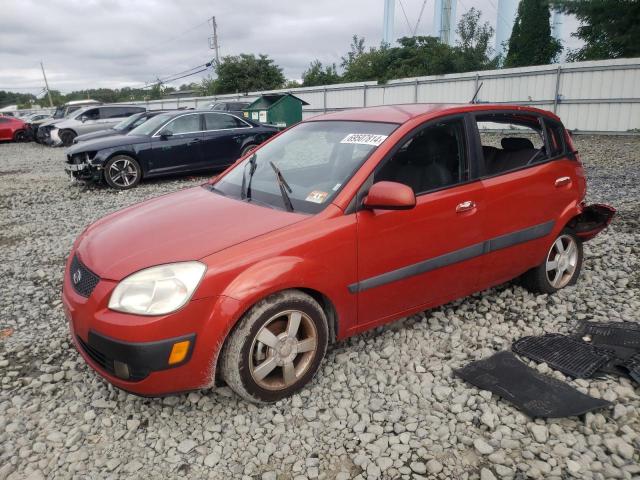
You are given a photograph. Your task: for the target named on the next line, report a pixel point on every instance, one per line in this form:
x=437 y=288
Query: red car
x=12 y=128
x=339 y=224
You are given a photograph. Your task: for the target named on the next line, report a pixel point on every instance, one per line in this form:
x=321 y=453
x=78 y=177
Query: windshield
x=314 y=158
x=127 y=122
x=151 y=125
x=59 y=113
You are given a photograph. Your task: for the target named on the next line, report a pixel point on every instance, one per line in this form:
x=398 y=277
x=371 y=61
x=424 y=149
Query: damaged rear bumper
x=592 y=220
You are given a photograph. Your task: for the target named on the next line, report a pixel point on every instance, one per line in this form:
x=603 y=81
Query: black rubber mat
x=568 y=355
x=535 y=394
x=632 y=367
x=622 y=337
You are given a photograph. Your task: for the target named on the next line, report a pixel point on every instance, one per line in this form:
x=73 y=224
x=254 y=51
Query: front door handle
x=562 y=181
x=195 y=140
x=465 y=206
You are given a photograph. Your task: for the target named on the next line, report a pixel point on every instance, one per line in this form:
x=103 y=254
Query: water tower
x=444 y=20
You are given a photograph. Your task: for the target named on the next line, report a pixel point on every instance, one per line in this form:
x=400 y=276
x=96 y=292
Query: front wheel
x=276 y=348
x=66 y=137
x=122 y=172
x=561 y=266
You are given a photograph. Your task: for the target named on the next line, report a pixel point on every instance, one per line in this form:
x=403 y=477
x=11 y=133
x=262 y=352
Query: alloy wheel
x=283 y=350
x=562 y=261
x=123 y=172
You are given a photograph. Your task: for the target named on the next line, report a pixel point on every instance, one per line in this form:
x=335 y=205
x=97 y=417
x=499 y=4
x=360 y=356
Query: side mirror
x=84 y=118
x=389 y=196
x=165 y=134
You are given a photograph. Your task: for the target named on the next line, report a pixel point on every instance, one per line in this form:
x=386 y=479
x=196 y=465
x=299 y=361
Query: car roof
x=405 y=112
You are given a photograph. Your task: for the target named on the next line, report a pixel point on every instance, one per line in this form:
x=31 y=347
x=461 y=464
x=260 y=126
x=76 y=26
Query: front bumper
x=104 y=337
x=78 y=167
x=132 y=361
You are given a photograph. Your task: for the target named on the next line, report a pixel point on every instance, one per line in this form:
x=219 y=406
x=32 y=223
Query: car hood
x=186 y=225
x=99 y=134
x=107 y=142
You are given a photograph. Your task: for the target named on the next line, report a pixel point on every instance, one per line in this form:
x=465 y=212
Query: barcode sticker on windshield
x=364 y=139
x=317 y=196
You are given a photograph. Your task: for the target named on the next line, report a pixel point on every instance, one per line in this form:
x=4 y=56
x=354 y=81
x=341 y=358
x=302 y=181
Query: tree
x=247 y=73
x=474 y=51
x=317 y=74
x=608 y=28
x=531 y=42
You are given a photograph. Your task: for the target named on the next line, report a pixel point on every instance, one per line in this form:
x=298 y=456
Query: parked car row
x=344 y=222
x=165 y=143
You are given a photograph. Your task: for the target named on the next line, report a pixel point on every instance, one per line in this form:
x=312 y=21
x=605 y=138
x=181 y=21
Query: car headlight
x=157 y=290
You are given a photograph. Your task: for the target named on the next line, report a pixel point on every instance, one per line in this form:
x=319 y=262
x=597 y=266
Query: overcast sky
x=117 y=43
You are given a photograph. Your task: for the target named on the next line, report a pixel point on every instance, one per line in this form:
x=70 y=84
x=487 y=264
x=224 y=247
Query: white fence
x=598 y=96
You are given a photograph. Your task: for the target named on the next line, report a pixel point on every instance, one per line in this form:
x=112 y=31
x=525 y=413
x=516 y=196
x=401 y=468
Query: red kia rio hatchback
x=339 y=224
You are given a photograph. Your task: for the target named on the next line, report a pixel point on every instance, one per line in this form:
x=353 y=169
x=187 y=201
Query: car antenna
x=475 y=95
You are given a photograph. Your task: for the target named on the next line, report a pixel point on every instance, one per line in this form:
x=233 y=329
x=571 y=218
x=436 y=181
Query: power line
x=405 y=15
x=415 y=29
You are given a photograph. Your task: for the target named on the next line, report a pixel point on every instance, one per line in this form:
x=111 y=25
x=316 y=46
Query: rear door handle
x=465 y=206
x=562 y=181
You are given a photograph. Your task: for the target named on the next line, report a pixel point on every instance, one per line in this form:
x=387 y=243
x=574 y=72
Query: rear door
x=529 y=181
x=180 y=150
x=223 y=138
x=431 y=253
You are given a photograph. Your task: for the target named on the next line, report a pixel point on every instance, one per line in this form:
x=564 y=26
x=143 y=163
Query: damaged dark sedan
x=167 y=144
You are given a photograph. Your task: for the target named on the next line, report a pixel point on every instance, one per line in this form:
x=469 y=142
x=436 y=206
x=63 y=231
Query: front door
x=177 y=147
x=433 y=252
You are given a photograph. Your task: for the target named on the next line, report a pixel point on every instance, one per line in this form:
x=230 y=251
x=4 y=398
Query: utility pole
x=213 y=41
x=46 y=85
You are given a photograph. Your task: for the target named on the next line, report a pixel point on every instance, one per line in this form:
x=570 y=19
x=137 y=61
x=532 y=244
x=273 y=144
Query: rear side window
x=119 y=112
x=217 y=121
x=510 y=141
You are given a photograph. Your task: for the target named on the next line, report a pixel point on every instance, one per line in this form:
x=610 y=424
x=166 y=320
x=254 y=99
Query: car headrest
x=513 y=144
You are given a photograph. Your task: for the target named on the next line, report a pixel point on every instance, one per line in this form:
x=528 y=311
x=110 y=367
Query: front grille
x=82 y=279
x=106 y=363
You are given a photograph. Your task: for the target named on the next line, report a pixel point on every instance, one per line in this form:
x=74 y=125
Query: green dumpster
x=279 y=109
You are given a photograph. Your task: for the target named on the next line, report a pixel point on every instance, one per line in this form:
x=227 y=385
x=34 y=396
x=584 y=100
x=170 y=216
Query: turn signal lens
x=179 y=352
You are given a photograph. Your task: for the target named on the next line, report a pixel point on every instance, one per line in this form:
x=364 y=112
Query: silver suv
x=87 y=120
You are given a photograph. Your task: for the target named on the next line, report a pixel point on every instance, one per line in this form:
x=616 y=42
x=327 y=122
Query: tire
x=545 y=278
x=264 y=374
x=67 y=136
x=20 y=136
x=122 y=172
x=247 y=149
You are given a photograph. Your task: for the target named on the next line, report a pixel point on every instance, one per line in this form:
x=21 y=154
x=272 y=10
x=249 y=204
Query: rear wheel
x=561 y=266
x=276 y=348
x=122 y=172
x=248 y=149
x=67 y=136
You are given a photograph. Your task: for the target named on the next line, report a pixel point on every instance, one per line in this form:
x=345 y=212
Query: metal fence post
x=324 y=99
x=415 y=92
x=555 y=97
x=364 y=97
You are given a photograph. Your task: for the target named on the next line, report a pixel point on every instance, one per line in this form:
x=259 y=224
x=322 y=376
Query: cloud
x=116 y=43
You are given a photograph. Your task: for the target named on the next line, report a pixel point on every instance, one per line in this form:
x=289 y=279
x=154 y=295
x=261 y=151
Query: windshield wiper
x=245 y=189
x=284 y=187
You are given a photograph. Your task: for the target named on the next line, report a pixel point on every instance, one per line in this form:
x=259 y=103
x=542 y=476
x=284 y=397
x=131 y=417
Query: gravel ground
x=384 y=405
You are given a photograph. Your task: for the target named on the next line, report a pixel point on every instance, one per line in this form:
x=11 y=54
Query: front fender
x=274 y=274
